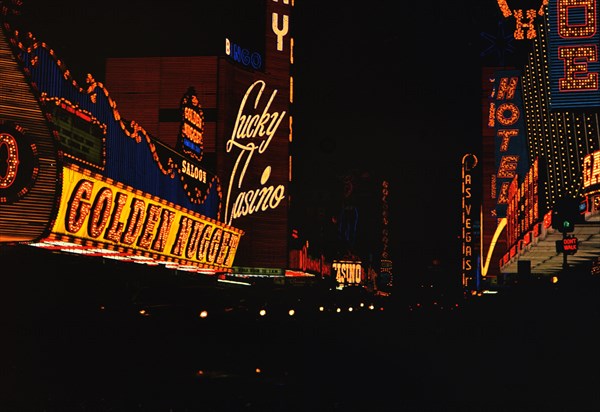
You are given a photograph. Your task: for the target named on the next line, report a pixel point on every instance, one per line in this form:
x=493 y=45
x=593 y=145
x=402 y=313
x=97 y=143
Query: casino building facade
x=182 y=161
x=543 y=122
x=246 y=130
x=77 y=177
x=247 y=95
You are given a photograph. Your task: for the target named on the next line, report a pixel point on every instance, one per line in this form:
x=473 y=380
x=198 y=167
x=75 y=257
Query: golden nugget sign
x=97 y=209
x=191 y=135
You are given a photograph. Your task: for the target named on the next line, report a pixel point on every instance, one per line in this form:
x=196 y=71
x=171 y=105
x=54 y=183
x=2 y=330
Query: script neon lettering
x=248 y=125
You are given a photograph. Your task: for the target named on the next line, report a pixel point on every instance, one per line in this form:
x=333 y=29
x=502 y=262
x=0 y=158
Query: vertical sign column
x=469 y=163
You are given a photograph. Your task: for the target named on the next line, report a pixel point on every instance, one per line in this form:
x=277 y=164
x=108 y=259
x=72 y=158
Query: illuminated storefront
x=247 y=98
x=188 y=162
x=246 y=94
x=560 y=96
x=76 y=177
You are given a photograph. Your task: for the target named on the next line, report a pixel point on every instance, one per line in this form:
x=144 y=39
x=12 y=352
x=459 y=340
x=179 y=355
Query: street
x=484 y=356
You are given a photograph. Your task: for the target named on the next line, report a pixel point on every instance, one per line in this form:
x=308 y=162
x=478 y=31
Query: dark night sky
x=391 y=90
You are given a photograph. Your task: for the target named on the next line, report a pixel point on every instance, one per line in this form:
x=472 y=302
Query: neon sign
x=469 y=162
x=348 y=272
x=95 y=208
x=252 y=134
x=243 y=56
x=280 y=29
x=510 y=151
x=591 y=171
x=525 y=28
x=301 y=260
x=573 y=54
x=191 y=135
x=19 y=164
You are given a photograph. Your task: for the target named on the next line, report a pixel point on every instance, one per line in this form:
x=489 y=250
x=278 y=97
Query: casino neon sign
x=348 y=272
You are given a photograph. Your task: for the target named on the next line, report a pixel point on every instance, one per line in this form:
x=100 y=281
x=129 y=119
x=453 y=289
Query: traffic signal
x=565 y=214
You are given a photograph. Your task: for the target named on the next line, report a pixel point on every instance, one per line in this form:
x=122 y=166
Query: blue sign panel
x=573 y=41
x=511 y=144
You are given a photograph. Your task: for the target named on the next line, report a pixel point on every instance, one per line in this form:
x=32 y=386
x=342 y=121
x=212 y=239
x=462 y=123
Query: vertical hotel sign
x=510 y=147
x=469 y=163
x=573 y=54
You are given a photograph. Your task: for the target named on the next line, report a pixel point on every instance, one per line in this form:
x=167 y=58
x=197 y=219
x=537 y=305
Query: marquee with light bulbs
x=76 y=177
